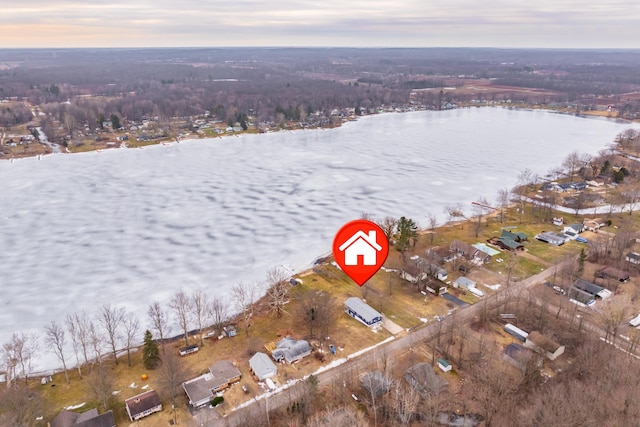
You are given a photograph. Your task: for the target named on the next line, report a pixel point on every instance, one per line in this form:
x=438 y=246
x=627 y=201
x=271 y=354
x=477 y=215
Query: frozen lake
x=133 y=226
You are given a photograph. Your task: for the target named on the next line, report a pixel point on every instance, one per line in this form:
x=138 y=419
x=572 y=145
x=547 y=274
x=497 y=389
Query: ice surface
x=132 y=226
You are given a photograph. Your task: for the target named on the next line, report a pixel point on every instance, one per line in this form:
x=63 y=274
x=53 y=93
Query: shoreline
x=169 y=141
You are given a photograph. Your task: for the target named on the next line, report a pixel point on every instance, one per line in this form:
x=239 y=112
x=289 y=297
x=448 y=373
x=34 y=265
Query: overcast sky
x=358 y=23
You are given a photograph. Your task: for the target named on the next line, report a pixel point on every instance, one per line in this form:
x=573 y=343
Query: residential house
x=431 y=269
x=363 y=312
x=509 y=240
x=633 y=258
x=518 y=356
x=580 y=297
x=612 y=273
x=591 y=288
x=262 y=366
x=544 y=345
x=552 y=238
x=573 y=228
x=593 y=224
x=90 y=418
x=469 y=252
x=291 y=350
x=424 y=379
x=375 y=382
x=361 y=245
x=202 y=389
x=143 y=405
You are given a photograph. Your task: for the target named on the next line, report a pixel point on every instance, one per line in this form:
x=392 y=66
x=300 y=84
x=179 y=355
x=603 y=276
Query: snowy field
x=132 y=226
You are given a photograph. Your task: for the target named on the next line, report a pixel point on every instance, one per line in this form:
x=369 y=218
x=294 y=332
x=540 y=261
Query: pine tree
x=150 y=352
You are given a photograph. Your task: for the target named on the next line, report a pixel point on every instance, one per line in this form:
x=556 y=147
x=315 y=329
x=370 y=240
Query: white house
x=262 y=366
x=363 y=312
x=361 y=244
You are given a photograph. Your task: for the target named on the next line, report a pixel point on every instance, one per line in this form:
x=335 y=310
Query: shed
x=574 y=228
x=444 y=365
x=516 y=332
x=143 y=405
x=230 y=331
x=538 y=342
x=612 y=273
x=362 y=311
x=262 y=366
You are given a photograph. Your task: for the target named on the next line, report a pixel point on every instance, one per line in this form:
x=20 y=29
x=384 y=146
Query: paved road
x=463 y=314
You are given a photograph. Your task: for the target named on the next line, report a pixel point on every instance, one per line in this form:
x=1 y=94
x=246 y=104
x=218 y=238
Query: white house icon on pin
x=361 y=245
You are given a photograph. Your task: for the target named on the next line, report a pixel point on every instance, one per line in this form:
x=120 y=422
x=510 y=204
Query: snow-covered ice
x=132 y=226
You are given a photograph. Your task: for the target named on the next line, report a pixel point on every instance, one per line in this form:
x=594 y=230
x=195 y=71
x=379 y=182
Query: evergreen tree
x=150 y=351
x=407 y=233
x=581 y=259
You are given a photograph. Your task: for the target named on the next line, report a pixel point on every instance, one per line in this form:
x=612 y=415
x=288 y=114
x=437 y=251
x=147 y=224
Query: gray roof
x=262 y=366
x=587 y=286
x=89 y=418
x=422 y=377
x=362 y=308
x=465 y=282
x=142 y=402
x=203 y=387
x=289 y=349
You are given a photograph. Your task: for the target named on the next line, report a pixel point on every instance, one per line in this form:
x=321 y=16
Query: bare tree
x=19 y=351
x=277 y=290
x=405 y=401
x=55 y=339
x=504 y=199
x=200 y=310
x=131 y=326
x=317 y=311
x=479 y=209
x=159 y=321
x=454 y=212
x=172 y=375
x=20 y=406
x=77 y=328
x=433 y=226
x=180 y=306
x=100 y=383
x=218 y=308
x=243 y=295
x=95 y=339
x=111 y=319
x=573 y=162
x=388 y=225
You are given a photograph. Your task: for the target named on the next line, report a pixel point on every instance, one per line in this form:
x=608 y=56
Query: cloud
x=301 y=22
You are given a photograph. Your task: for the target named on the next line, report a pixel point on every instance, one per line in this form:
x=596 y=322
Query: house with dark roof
x=262 y=366
x=518 y=356
x=375 y=382
x=202 y=389
x=591 y=288
x=89 y=418
x=544 y=345
x=291 y=350
x=363 y=312
x=423 y=378
x=143 y=405
x=580 y=297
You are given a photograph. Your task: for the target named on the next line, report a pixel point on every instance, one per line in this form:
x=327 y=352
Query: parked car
x=581 y=240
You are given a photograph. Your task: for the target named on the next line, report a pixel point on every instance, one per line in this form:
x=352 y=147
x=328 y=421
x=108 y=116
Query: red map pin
x=360 y=248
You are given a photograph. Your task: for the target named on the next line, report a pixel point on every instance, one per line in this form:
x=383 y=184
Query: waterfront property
x=291 y=350
x=202 y=389
x=363 y=312
x=143 y=405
